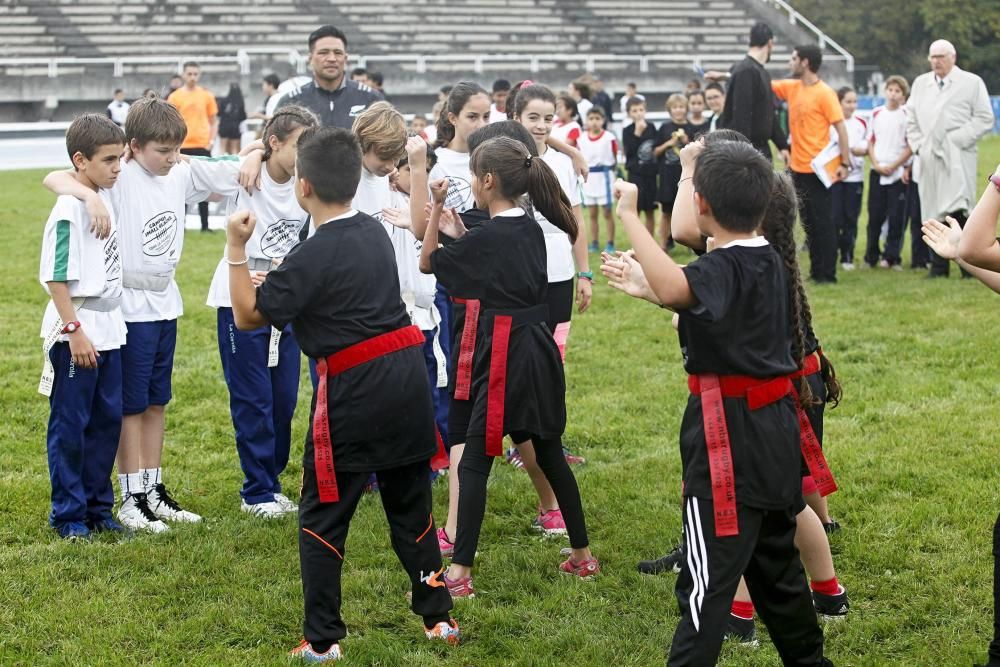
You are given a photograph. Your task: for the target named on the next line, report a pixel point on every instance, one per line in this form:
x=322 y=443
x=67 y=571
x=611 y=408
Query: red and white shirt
x=569 y=132
x=887 y=133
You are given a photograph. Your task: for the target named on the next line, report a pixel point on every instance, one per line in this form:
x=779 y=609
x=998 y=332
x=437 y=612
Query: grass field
x=912 y=445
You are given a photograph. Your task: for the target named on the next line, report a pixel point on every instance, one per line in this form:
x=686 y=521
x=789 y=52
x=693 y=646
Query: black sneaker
x=831 y=527
x=832 y=607
x=669 y=563
x=742 y=630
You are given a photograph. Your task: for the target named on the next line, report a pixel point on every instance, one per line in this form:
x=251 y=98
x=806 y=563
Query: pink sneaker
x=551 y=523
x=585 y=569
x=446 y=631
x=447 y=547
x=460 y=588
x=572 y=458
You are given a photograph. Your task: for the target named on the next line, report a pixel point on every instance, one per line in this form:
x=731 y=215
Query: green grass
x=912 y=446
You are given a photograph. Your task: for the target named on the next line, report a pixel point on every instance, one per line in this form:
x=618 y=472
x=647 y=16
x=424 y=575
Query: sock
x=829 y=587
x=130 y=483
x=742 y=610
x=150 y=478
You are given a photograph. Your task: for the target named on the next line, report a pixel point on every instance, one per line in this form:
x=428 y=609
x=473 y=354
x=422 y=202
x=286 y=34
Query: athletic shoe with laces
x=832 y=607
x=105 y=525
x=572 y=458
x=585 y=569
x=286 y=503
x=459 y=588
x=592 y=247
x=514 y=457
x=73 y=531
x=609 y=248
x=670 y=562
x=305 y=651
x=444 y=631
x=550 y=523
x=447 y=547
x=165 y=507
x=831 y=527
x=267 y=510
x=742 y=630
x=135 y=514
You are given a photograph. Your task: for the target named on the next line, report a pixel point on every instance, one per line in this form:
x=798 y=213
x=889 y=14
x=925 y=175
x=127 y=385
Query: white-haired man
x=948 y=111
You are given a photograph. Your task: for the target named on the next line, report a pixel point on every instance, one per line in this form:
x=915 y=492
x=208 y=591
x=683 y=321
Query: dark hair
x=778 y=227
x=176 y=76
x=696 y=93
x=191 y=63
x=570 y=104
x=118 y=90
x=326 y=31
x=446 y=89
x=501 y=85
x=715 y=85
x=431 y=156
x=272 y=80
x=596 y=111
x=725 y=134
x=811 y=53
x=330 y=159
x=512 y=97
x=634 y=102
x=842 y=92
x=508 y=128
x=154 y=119
x=376 y=78
x=582 y=87
x=457 y=99
x=89 y=132
x=359 y=71
x=286 y=120
x=535 y=91
x=518 y=172
x=735 y=181
x=149 y=92
x=760 y=34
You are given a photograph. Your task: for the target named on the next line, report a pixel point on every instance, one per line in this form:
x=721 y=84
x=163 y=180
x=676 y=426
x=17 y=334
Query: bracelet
x=225 y=258
x=686 y=178
x=586 y=275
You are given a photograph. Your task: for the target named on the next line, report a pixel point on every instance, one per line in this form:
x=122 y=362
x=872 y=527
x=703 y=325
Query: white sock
x=130 y=483
x=150 y=478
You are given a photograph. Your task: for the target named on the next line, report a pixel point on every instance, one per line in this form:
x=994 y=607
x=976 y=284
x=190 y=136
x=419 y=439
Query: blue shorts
x=147 y=364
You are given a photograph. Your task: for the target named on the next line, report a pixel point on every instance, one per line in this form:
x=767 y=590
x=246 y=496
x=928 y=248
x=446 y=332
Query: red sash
x=467 y=348
x=335 y=364
x=812 y=452
x=712 y=389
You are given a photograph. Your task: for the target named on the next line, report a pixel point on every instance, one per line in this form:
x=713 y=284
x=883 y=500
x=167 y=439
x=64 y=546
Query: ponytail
x=518 y=171
x=457 y=99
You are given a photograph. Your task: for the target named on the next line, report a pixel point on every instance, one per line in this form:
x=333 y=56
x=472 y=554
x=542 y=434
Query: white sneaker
x=271 y=510
x=135 y=514
x=847 y=266
x=165 y=507
x=286 y=503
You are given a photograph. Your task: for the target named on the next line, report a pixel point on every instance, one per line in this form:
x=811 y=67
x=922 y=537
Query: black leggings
x=473 y=472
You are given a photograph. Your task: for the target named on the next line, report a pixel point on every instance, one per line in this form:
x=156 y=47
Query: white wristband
x=225 y=258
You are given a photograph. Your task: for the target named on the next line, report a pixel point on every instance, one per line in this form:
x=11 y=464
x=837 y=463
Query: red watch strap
x=74 y=324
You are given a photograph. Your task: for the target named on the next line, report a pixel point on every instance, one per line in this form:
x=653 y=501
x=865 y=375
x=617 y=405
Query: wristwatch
x=70 y=327
x=586 y=275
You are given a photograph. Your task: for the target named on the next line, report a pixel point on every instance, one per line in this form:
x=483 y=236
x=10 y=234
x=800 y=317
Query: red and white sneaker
x=460 y=588
x=446 y=631
x=550 y=523
x=304 y=651
x=585 y=569
x=572 y=458
x=447 y=546
x=514 y=457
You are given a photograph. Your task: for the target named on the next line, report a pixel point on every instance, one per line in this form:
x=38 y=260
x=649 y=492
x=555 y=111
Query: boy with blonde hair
x=674 y=134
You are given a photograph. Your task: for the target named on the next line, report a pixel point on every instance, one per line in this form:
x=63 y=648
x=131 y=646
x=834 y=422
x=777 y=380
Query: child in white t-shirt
x=565 y=126
x=149 y=202
x=845 y=195
x=600 y=148
x=83 y=331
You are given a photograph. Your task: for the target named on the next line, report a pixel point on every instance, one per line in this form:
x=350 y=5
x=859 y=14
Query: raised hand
x=239 y=228
x=625 y=274
x=942 y=239
x=416 y=153
x=627 y=195
x=397 y=217
x=439 y=190
x=451 y=224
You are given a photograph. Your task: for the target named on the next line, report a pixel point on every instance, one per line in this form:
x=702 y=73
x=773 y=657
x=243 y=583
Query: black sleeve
x=714 y=281
x=741 y=93
x=629 y=142
x=778 y=134
x=289 y=288
x=462 y=266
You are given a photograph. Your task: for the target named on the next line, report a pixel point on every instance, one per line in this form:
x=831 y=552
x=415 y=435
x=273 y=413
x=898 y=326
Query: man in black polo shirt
x=749 y=101
x=331 y=95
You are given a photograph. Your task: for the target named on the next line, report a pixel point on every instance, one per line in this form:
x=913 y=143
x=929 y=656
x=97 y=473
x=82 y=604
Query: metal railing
x=824 y=40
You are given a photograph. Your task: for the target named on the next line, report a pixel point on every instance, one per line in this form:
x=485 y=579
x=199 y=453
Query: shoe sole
x=550 y=532
x=832 y=618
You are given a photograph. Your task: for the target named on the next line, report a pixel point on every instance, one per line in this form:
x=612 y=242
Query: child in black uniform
x=638 y=143
x=372 y=408
x=517 y=384
x=673 y=135
x=740 y=434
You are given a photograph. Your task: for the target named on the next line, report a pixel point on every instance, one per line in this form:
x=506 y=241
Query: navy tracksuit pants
x=85 y=423
x=261 y=401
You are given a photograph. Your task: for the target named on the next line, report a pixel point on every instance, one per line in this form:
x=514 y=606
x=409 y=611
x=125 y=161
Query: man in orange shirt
x=812 y=109
x=201 y=115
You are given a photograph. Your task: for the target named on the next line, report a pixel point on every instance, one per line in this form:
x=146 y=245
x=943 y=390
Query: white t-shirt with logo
x=279 y=218
x=89 y=266
x=559 y=250
x=151 y=211
x=887 y=130
x=857 y=137
x=455 y=167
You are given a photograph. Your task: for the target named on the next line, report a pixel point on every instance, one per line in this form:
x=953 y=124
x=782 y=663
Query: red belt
x=335 y=364
x=812 y=452
x=712 y=389
x=467 y=348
